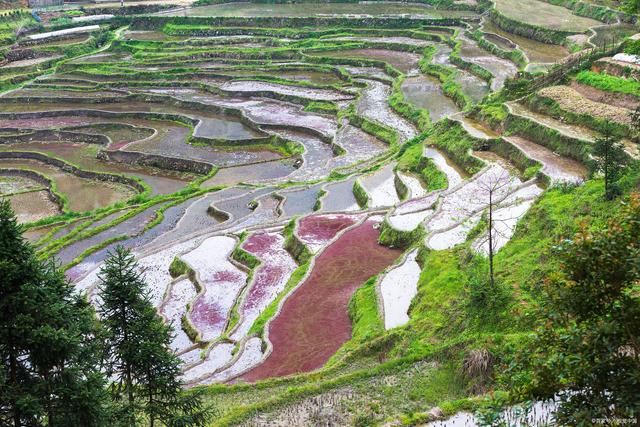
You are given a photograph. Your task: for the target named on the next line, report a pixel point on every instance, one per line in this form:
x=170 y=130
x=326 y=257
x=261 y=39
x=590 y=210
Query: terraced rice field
x=546 y=15
x=257 y=160
x=319 y=9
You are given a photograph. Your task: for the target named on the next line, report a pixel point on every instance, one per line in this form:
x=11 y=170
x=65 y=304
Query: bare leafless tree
x=635 y=122
x=493 y=187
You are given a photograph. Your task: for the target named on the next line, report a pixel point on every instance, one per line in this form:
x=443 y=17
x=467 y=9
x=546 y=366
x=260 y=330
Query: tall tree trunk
x=129 y=386
x=151 y=409
x=13 y=368
x=606 y=172
x=48 y=404
x=491 y=239
x=129 y=380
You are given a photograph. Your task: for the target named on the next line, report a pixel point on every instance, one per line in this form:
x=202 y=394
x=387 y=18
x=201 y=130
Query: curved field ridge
x=313 y=322
x=270 y=277
x=221 y=281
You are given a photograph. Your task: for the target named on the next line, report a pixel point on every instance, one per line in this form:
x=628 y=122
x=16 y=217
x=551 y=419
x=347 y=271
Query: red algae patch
x=270 y=277
x=315 y=231
x=220 y=280
x=313 y=322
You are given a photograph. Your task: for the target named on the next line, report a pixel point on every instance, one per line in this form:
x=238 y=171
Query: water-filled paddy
x=17 y=184
x=501 y=69
x=373 y=104
x=317 y=77
x=180 y=294
x=384 y=39
x=403 y=61
x=426 y=92
x=380 y=186
x=318 y=9
x=84 y=156
x=339 y=196
x=212 y=125
x=472 y=86
x=83 y=194
x=540 y=13
x=38 y=92
x=556 y=167
x=358 y=146
x=535 y=50
x=269 y=279
x=314 y=322
x=300 y=202
x=30 y=62
x=32 y=206
x=220 y=281
x=250 y=173
x=283 y=136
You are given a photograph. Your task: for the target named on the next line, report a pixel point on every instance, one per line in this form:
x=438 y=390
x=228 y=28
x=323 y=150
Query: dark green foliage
x=609 y=159
x=609 y=83
x=393 y=238
x=631 y=6
x=361 y=195
x=587 y=339
x=47 y=341
x=412 y=160
x=450 y=137
x=633 y=47
x=145 y=371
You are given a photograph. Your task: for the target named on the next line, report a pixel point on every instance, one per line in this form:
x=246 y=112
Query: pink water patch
x=270 y=277
x=208 y=315
x=419 y=204
x=316 y=231
x=314 y=321
x=221 y=282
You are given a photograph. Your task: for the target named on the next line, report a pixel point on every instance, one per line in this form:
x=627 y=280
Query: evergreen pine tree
x=610 y=159
x=49 y=373
x=585 y=350
x=145 y=371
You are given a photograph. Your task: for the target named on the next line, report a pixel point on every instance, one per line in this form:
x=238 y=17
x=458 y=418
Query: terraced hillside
x=311 y=190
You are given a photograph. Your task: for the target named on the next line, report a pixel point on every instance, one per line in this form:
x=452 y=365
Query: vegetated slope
x=461 y=340
x=461 y=335
x=406 y=371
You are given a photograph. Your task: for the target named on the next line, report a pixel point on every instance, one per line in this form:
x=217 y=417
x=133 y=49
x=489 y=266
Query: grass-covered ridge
x=444 y=325
x=609 y=83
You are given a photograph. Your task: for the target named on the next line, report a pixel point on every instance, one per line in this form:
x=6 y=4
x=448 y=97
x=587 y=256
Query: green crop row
x=609 y=83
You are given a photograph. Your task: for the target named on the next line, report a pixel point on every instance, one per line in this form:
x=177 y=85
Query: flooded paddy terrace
x=226 y=111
